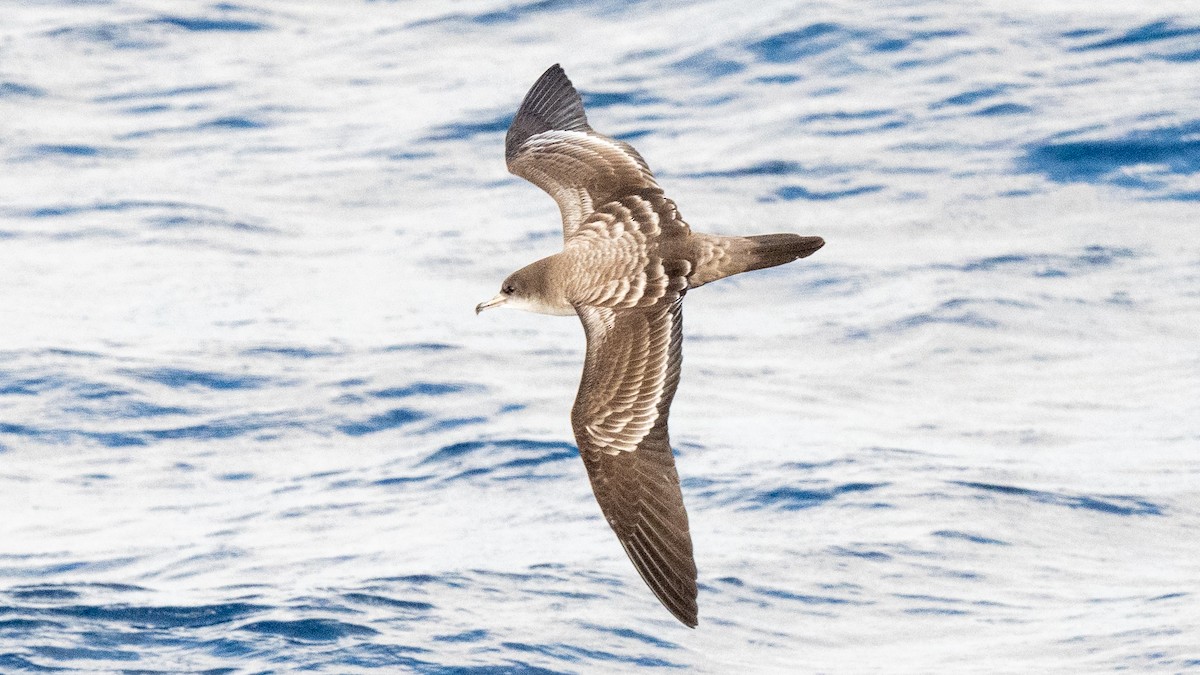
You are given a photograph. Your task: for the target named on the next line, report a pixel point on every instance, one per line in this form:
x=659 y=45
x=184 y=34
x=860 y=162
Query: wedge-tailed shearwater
x=628 y=258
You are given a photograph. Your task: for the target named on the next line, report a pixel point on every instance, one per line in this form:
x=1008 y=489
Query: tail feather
x=721 y=257
x=769 y=250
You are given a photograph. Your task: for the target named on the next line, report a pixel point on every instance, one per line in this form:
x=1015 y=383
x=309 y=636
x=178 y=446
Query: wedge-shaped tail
x=720 y=257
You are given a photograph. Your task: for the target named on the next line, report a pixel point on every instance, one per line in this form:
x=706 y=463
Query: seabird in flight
x=628 y=258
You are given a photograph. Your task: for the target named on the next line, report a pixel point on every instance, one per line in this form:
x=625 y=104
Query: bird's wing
x=620 y=422
x=551 y=145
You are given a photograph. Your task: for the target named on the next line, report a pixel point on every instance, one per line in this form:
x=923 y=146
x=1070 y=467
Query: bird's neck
x=552 y=294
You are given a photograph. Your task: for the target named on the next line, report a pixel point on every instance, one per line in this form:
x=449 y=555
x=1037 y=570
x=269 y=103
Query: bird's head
x=512 y=293
x=530 y=288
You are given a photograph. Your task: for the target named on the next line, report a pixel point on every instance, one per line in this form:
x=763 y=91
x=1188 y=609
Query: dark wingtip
x=685 y=611
x=676 y=592
x=688 y=617
x=552 y=103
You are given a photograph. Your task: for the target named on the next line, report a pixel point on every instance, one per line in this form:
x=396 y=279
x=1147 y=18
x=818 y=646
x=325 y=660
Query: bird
x=628 y=259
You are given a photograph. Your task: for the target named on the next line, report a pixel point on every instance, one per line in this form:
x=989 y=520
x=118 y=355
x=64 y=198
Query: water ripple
x=391 y=603
x=425 y=389
x=1117 y=505
x=967 y=536
x=10 y=89
x=204 y=24
x=459 y=131
x=801 y=43
x=971 y=96
x=788 y=498
x=1088 y=259
x=135 y=616
x=77 y=151
x=575 y=653
x=1156 y=31
x=396 y=417
x=709 y=63
x=1162 y=152
x=793 y=192
x=309 y=630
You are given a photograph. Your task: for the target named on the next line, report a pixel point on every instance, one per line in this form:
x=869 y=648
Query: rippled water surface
x=249 y=422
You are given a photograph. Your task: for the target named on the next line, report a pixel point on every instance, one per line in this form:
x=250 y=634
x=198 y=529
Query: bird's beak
x=500 y=299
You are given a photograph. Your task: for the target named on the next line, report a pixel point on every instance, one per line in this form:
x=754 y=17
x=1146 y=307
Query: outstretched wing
x=620 y=422
x=551 y=145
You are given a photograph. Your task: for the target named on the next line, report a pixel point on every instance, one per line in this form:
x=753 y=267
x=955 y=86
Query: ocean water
x=249 y=422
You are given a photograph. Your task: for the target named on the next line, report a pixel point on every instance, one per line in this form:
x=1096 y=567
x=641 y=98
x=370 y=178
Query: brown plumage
x=628 y=258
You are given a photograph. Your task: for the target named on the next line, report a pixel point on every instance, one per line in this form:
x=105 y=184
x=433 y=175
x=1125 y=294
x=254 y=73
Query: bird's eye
x=508 y=289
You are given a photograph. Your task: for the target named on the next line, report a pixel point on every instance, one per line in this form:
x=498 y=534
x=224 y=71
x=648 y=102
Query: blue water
x=250 y=423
